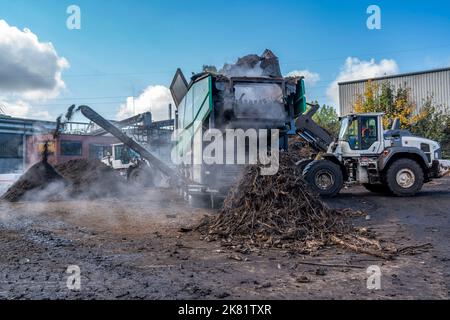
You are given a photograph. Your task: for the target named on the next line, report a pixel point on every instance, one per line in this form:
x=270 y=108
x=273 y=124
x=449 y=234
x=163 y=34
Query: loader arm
x=129 y=142
x=317 y=137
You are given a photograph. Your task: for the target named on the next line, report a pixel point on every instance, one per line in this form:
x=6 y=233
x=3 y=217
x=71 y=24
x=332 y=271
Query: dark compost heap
x=279 y=211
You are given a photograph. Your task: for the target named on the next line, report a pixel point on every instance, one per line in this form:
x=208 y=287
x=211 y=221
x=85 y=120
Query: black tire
x=301 y=165
x=200 y=201
x=327 y=173
x=377 y=188
x=405 y=178
x=141 y=176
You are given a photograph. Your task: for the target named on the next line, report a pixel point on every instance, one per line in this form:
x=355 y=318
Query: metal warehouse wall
x=422 y=84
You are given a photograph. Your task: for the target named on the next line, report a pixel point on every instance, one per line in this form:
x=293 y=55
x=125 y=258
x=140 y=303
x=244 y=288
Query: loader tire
x=377 y=188
x=301 y=165
x=324 y=177
x=200 y=201
x=405 y=178
x=141 y=176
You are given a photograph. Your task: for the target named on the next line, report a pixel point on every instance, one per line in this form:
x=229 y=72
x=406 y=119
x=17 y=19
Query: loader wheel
x=405 y=178
x=377 y=188
x=200 y=201
x=324 y=177
x=140 y=176
x=301 y=165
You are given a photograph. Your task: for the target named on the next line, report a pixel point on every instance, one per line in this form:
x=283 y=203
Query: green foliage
x=328 y=119
x=434 y=125
x=432 y=122
x=385 y=98
x=445 y=143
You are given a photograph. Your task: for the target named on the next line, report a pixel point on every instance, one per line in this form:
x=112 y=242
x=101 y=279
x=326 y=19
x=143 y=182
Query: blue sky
x=127 y=46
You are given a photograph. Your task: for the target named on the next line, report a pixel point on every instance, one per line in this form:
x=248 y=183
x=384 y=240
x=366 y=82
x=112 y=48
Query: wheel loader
x=393 y=161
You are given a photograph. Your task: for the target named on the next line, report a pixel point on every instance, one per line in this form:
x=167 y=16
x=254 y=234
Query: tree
x=432 y=122
x=446 y=142
x=395 y=103
x=435 y=124
x=328 y=119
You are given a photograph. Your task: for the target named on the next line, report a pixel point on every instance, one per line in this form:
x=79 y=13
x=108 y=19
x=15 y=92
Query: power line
x=93 y=103
x=373 y=53
x=91 y=98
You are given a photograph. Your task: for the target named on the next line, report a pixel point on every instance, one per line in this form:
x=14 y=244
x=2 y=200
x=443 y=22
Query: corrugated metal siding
x=422 y=85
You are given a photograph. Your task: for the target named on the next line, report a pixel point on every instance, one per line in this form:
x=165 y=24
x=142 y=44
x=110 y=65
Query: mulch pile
x=33 y=184
x=81 y=178
x=279 y=211
x=91 y=179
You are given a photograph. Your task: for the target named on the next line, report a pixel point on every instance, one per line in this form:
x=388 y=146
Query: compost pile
x=86 y=179
x=91 y=179
x=41 y=182
x=279 y=211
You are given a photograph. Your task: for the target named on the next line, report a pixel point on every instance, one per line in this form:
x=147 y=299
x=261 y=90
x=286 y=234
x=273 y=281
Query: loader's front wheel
x=405 y=178
x=324 y=177
x=141 y=175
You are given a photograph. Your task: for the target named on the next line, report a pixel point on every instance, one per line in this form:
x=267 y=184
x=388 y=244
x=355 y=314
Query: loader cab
x=361 y=134
x=121 y=157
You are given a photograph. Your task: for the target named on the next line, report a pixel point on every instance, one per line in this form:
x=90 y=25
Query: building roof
x=9 y=118
x=396 y=76
x=23 y=126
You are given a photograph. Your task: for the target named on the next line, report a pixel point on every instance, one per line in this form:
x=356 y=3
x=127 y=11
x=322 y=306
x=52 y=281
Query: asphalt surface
x=132 y=249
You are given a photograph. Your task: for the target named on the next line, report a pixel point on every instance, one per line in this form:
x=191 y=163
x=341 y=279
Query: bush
x=434 y=124
x=395 y=103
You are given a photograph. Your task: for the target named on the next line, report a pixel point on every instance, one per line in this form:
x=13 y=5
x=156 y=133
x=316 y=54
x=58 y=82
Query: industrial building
x=13 y=137
x=423 y=84
x=68 y=147
x=22 y=140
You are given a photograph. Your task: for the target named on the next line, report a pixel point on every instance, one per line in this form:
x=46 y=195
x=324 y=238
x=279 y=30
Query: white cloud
x=155 y=98
x=23 y=109
x=311 y=78
x=30 y=70
x=15 y=109
x=355 y=69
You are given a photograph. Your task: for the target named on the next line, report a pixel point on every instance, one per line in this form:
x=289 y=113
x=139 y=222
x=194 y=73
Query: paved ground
x=132 y=249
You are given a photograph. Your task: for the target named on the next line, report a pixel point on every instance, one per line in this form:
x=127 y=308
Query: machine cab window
x=360 y=132
x=349 y=132
x=369 y=132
